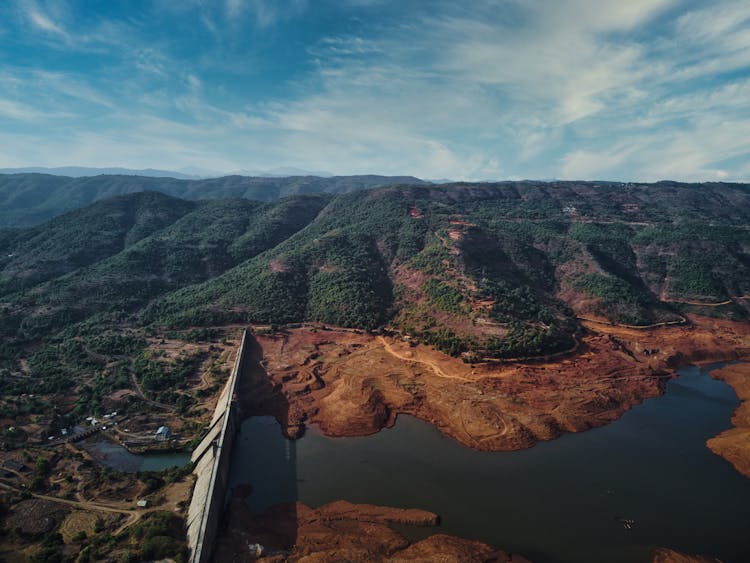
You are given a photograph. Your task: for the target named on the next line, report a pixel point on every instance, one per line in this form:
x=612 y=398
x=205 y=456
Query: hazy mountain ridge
x=85 y=171
x=188 y=173
x=29 y=199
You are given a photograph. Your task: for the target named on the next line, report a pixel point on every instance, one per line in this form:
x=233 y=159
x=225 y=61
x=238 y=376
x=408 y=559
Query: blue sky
x=497 y=89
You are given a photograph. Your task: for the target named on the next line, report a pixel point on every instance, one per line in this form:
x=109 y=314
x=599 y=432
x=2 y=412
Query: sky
x=637 y=90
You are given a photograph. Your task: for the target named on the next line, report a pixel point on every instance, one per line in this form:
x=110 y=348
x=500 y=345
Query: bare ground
x=352 y=383
x=734 y=444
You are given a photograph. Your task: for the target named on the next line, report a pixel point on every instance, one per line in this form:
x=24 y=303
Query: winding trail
x=699 y=303
x=88 y=506
x=133 y=513
x=140 y=393
x=501 y=419
x=432 y=365
x=682 y=321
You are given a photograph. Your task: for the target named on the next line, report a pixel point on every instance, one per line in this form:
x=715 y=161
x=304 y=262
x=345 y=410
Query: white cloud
x=562 y=56
x=24 y=112
x=500 y=88
x=41 y=20
x=590 y=164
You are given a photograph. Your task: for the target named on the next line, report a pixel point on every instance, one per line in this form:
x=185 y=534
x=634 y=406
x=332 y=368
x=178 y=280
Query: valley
x=504 y=315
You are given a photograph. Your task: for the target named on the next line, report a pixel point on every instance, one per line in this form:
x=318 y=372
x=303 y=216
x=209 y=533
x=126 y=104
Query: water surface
x=115 y=456
x=558 y=501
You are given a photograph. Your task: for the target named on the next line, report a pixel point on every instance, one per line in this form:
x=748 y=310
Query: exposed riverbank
x=355 y=384
x=342 y=531
x=734 y=444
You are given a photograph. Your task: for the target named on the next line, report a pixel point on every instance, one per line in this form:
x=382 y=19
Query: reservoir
x=564 y=500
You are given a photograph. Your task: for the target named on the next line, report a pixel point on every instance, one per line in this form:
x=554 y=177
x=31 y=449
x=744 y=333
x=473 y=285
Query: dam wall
x=212 y=459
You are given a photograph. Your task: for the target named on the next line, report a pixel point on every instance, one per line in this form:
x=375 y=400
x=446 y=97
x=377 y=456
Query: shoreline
x=733 y=444
x=302 y=375
x=348 y=384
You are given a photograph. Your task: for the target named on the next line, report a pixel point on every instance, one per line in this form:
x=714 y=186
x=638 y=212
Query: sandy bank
x=341 y=531
x=664 y=555
x=734 y=444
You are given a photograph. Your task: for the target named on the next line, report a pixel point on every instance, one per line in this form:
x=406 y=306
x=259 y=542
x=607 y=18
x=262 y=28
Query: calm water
x=559 y=501
x=119 y=458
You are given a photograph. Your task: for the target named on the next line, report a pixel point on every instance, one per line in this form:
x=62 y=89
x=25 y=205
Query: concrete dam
x=211 y=461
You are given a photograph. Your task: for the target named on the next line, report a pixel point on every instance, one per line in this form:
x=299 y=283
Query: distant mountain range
x=82 y=171
x=182 y=174
x=29 y=198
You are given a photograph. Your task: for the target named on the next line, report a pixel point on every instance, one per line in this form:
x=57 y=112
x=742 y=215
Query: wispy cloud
x=265 y=12
x=645 y=89
x=41 y=20
x=23 y=112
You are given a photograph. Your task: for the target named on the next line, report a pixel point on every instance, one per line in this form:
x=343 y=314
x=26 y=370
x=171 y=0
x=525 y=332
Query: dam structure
x=211 y=461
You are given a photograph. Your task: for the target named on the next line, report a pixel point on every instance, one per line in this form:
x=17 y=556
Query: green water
x=117 y=457
x=558 y=501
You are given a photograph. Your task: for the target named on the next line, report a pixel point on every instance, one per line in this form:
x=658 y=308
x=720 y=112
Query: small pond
x=115 y=456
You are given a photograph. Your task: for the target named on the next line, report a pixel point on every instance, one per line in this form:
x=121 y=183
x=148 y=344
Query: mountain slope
x=482 y=272
x=493 y=270
x=83 y=237
x=477 y=270
x=202 y=244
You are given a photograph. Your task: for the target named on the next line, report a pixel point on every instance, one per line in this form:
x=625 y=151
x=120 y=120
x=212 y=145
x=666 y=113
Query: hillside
x=83 y=237
x=502 y=314
x=478 y=271
x=494 y=270
x=206 y=239
x=29 y=199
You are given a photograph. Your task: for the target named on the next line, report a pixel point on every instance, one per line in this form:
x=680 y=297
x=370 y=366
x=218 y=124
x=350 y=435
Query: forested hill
x=494 y=269
x=29 y=199
x=477 y=270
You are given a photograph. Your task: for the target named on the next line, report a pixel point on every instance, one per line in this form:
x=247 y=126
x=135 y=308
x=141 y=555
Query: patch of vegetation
x=50 y=551
x=51 y=370
x=196 y=335
x=527 y=341
x=160 y=379
x=114 y=344
x=620 y=301
x=160 y=535
x=444 y=296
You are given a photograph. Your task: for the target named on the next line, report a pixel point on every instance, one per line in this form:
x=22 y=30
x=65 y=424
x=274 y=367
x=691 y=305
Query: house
x=143 y=503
